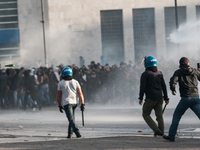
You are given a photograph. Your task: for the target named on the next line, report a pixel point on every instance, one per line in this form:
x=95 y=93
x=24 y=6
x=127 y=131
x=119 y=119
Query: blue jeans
x=44 y=93
x=70 y=113
x=26 y=97
x=15 y=98
x=186 y=102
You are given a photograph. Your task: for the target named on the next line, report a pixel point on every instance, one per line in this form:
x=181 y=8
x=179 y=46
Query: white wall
x=31 y=38
x=74 y=27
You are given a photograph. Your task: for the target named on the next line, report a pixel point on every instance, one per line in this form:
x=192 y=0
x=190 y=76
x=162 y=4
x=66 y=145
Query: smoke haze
x=65 y=43
x=187 y=33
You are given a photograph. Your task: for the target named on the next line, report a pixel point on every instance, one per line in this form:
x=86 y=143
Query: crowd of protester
x=37 y=87
x=20 y=88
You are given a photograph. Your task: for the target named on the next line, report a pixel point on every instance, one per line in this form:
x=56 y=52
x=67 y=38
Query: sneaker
x=158 y=133
x=69 y=136
x=167 y=138
x=34 y=109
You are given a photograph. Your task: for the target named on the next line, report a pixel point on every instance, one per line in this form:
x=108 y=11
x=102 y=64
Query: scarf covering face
x=153 y=68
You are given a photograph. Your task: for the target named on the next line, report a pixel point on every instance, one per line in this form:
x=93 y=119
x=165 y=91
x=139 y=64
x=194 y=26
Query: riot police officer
x=152 y=84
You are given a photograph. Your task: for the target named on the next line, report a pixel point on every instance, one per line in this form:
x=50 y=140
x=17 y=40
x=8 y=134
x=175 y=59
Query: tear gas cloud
x=186 y=33
x=187 y=39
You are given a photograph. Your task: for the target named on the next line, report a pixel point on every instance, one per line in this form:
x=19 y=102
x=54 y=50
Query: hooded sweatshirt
x=152 y=84
x=187 y=78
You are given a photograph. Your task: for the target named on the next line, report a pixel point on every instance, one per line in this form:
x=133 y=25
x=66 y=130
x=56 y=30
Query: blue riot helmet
x=150 y=61
x=67 y=71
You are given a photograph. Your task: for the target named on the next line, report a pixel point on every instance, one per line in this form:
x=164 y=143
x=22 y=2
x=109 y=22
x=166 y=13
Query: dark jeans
x=3 y=96
x=148 y=106
x=186 y=102
x=52 y=93
x=70 y=113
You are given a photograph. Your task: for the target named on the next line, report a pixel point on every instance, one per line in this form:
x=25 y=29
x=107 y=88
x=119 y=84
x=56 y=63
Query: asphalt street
x=116 y=127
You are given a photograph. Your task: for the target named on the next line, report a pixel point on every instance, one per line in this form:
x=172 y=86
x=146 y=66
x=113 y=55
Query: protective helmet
x=67 y=71
x=150 y=61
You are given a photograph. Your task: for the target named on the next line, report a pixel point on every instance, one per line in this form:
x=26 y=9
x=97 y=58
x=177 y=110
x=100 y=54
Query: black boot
x=168 y=138
x=158 y=133
x=3 y=107
x=78 y=135
x=40 y=106
x=69 y=136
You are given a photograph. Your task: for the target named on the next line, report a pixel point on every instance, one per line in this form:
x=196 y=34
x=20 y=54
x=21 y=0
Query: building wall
x=31 y=33
x=73 y=27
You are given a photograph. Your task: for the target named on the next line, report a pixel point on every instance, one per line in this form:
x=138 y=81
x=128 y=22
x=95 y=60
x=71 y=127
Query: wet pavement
x=18 y=126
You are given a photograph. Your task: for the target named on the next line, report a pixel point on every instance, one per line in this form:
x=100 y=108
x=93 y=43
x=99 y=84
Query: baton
x=82 y=118
x=164 y=108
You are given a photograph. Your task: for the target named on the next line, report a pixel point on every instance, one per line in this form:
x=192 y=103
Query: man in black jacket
x=187 y=78
x=29 y=87
x=3 y=88
x=152 y=84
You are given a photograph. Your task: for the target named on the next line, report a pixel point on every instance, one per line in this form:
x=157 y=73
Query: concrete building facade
x=77 y=28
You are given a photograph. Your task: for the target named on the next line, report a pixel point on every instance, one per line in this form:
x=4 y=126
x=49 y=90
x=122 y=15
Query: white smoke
x=187 y=33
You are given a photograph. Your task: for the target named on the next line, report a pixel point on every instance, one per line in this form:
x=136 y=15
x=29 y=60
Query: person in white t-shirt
x=69 y=92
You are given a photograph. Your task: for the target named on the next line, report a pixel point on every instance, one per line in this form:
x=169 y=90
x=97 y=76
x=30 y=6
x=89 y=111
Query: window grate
x=198 y=12
x=9 y=29
x=144 y=32
x=170 y=23
x=112 y=36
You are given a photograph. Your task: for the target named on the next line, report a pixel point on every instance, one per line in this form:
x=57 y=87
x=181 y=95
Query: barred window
x=198 y=12
x=170 y=23
x=9 y=29
x=112 y=36
x=144 y=32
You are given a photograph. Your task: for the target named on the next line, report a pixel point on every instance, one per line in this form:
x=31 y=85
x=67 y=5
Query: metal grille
x=112 y=36
x=144 y=32
x=9 y=30
x=198 y=12
x=170 y=23
x=8 y=1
